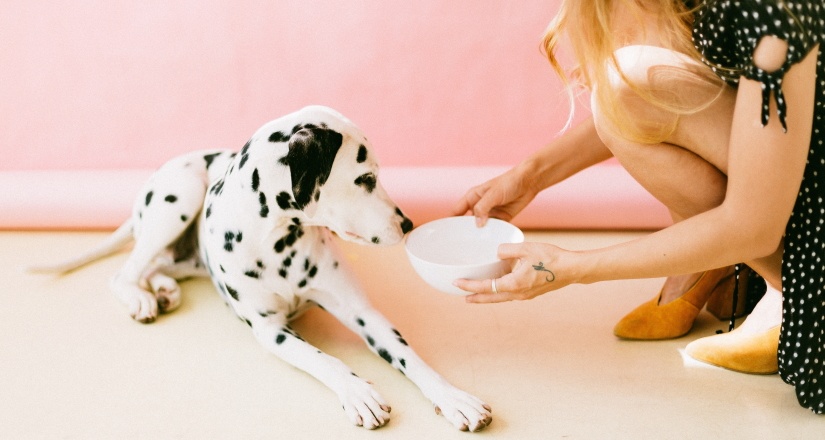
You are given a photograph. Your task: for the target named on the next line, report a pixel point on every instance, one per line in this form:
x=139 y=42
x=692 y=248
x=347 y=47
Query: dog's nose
x=406 y=225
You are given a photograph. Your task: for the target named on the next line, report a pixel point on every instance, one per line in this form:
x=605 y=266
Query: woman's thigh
x=687 y=169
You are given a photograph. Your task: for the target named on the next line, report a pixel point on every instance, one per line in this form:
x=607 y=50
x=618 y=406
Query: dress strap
x=772 y=84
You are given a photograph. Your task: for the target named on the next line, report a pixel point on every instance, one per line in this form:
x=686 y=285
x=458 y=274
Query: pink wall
x=128 y=84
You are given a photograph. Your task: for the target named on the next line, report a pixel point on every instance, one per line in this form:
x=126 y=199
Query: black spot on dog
x=368 y=181
x=300 y=127
x=400 y=338
x=287 y=329
x=209 y=158
x=295 y=232
x=232 y=292
x=280 y=338
x=287 y=261
x=260 y=264
x=385 y=355
x=362 y=154
x=264 y=208
x=208 y=211
x=217 y=187
x=376 y=240
x=229 y=237
x=360 y=322
x=402 y=362
x=244 y=154
x=283 y=273
x=248 y=322
x=268 y=313
x=171 y=198
x=252 y=274
x=278 y=136
x=149 y=197
x=256 y=180
x=311 y=153
x=306 y=264
x=221 y=268
x=370 y=341
x=302 y=284
x=313 y=271
x=406 y=225
x=183 y=218
x=284 y=200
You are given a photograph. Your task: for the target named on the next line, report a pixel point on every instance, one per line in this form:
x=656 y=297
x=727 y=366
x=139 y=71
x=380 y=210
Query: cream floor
x=73 y=365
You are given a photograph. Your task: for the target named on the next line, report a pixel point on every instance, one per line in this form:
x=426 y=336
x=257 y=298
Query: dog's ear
x=312 y=151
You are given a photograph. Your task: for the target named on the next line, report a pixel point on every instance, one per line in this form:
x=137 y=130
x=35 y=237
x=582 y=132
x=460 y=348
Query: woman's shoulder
x=727 y=32
x=765 y=16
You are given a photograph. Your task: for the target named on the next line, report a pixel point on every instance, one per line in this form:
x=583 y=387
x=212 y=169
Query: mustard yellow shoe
x=745 y=352
x=651 y=321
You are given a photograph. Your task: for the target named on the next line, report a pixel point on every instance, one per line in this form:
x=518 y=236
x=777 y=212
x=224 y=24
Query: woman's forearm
x=575 y=150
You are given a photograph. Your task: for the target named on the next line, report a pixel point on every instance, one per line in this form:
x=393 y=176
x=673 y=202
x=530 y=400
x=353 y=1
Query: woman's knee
x=645 y=102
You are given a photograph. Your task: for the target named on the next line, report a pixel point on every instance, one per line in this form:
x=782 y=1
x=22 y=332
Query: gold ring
x=495 y=290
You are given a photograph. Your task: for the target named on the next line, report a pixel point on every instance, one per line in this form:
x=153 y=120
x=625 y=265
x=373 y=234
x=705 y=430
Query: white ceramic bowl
x=444 y=250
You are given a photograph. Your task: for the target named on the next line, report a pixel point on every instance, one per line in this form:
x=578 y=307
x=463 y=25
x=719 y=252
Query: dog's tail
x=114 y=242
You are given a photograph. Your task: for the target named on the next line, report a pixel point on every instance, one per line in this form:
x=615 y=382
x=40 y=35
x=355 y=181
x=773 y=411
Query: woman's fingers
x=483 y=290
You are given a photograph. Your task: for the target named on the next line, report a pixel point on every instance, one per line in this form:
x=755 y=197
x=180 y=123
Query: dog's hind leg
x=163 y=280
x=164 y=212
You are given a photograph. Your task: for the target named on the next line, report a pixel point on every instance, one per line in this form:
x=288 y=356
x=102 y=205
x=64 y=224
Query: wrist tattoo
x=540 y=268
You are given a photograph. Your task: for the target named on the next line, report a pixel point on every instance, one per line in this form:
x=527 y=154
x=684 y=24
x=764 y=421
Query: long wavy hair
x=589 y=29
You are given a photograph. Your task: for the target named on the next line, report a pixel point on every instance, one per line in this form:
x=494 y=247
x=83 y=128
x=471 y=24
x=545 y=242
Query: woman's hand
x=539 y=268
x=501 y=197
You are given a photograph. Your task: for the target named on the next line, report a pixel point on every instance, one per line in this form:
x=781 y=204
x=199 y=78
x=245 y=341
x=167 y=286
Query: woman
x=717 y=109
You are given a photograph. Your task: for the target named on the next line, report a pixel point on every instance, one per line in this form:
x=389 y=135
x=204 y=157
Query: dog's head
x=335 y=183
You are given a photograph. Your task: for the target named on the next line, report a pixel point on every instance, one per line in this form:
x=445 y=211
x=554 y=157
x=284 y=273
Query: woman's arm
x=506 y=195
x=765 y=169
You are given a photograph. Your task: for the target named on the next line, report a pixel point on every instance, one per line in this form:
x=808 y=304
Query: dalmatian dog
x=259 y=223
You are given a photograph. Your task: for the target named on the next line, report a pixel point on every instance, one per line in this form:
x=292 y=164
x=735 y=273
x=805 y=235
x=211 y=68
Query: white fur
x=265 y=276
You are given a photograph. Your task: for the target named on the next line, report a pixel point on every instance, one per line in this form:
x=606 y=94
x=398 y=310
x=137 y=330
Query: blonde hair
x=589 y=28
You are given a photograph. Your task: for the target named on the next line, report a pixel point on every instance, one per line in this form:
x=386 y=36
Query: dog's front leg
x=464 y=411
x=362 y=404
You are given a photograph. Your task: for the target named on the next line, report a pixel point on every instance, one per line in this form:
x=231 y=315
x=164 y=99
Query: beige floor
x=73 y=365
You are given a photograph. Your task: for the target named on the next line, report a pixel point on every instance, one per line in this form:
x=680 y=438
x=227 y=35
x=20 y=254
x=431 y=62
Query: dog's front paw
x=464 y=411
x=363 y=405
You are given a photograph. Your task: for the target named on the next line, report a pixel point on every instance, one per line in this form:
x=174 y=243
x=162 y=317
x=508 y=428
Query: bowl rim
x=444 y=265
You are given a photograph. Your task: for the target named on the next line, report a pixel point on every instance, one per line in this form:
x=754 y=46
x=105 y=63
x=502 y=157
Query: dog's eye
x=367 y=181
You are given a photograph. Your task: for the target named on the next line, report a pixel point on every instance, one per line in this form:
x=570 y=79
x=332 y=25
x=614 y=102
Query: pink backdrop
x=95 y=95
x=127 y=84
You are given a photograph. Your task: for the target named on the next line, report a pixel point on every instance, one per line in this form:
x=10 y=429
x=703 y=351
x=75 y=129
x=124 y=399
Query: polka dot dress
x=726 y=32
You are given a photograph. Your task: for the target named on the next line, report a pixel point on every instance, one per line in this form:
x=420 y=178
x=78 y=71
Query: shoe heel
x=720 y=303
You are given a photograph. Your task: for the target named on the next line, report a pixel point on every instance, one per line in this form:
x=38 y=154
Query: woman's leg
x=686 y=172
